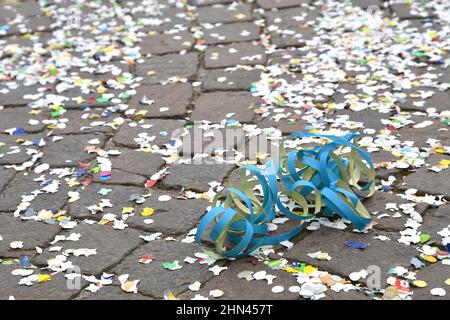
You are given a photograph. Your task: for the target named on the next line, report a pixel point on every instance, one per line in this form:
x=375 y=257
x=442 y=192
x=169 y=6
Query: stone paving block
x=33 y=234
x=427 y=181
x=28 y=24
x=380 y=159
x=171 y=18
x=224 y=79
x=28 y=41
x=283 y=56
x=140 y=133
x=292 y=26
x=169 y=100
x=201 y=3
x=161 y=43
x=110 y=292
x=210 y=141
x=69 y=151
x=221 y=14
x=350 y=295
x=112 y=245
x=436 y=130
x=25 y=8
x=270 y=4
x=119 y=197
x=56 y=289
x=367 y=3
x=195 y=176
x=97 y=71
x=411 y=100
x=168 y=215
x=241 y=289
x=377 y=203
x=76 y=98
x=217 y=106
x=230 y=32
x=365 y=119
x=122 y=178
x=406 y=11
x=5 y=176
x=435 y=220
x=159 y=69
x=137 y=162
x=435 y=276
x=12 y=119
x=284 y=125
x=346 y=260
x=77 y=121
x=163 y=279
x=23 y=184
x=242 y=53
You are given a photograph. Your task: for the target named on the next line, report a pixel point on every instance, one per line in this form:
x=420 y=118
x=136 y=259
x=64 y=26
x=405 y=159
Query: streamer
x=318 y=179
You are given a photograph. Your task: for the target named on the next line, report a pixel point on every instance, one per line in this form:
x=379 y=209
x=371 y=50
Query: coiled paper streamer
x=320 y=178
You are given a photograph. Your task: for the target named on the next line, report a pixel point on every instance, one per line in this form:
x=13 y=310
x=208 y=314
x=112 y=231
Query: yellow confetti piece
x=429 y=258
x=262 y=156
x=146 y=212
x=151 y=73
x=35 y=112
x=324 y=256
x=440 y=150
x=420 y=283
x=203 y=196
x=240 y=16
x=444 y=162
x=103 y=222
x=309 y=269
x=45 y=214
x=168 y=295
x=291 y=270
x=73 y=183
x=79 y=100
x=44 y=278
x=447 y=282
x=127 y=210
x=141 y=112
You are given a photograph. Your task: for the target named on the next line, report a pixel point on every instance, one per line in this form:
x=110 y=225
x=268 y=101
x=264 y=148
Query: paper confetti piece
x=146 y=212
x=438 y=292
x=43 y=278
x=172 y=266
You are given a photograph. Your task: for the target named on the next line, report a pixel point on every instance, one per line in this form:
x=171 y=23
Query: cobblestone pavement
x=98 y=200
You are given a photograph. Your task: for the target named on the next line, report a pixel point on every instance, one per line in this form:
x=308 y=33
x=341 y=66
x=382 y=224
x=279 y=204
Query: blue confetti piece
x=19 y=131
x=25 y=261
x=105 y=178
x=38 y=142
x=356 y=245
x=46 y=183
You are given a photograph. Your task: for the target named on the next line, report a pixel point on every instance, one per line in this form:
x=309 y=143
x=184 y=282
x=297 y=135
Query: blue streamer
x=319 y=178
